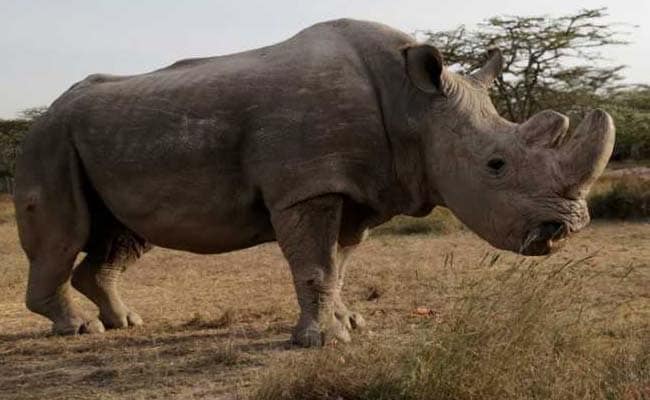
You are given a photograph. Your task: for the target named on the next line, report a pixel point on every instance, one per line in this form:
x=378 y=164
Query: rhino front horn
x=587 y=152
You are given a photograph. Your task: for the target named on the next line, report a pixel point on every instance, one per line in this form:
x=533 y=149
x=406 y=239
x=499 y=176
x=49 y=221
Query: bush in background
x=11 y=134
x=625 y=198
x=441 y=221
x=630 y=109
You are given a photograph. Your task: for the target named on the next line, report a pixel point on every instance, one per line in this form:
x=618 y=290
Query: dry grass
x=6 y=211
x=524 y=330
x=500 y=325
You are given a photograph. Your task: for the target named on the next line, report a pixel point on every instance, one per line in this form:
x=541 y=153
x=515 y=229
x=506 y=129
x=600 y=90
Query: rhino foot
x=309 y=336
x=121 y=320
x=78 y=326
x=330 y=331
x=351 y=320
x=334 y=328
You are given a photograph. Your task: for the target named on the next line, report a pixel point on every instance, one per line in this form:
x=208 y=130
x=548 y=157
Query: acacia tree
x=549 y=62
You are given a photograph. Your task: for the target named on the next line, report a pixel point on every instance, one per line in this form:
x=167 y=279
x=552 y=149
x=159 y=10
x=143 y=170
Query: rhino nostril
x=552 y=230
x=496 y=165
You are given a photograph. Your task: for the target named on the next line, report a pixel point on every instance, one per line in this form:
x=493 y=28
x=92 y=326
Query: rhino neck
x=380 y=52
x=403 y=129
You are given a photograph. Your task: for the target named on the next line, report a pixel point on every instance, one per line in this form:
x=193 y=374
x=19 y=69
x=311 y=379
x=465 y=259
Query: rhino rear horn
x=492 y=68
x=424 y=65
x=544 y=129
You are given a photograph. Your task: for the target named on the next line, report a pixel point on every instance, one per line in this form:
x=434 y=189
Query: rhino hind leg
x=110 y=251
x=53 y=225
x=49 y=294
x=309 y=235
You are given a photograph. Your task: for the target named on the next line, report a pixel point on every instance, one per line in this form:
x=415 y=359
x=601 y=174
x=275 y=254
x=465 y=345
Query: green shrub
x=626 y=198
x=440 y=221
x=630 y=109
x=11 y=134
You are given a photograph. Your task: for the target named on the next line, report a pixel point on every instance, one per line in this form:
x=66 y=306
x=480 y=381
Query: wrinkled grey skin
x=309 y=142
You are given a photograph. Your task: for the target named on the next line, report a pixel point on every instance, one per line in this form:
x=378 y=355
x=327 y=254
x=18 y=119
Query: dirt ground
x=215 y=324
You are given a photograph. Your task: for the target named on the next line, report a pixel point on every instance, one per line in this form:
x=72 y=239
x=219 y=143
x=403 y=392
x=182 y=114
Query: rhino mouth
x=544 y=239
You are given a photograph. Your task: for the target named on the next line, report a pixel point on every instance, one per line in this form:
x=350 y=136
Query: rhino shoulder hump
x=354 y=26
x=187 y=62
x=94 y=79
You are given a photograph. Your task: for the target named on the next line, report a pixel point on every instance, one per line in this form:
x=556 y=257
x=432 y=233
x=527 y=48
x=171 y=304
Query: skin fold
x=310 y=143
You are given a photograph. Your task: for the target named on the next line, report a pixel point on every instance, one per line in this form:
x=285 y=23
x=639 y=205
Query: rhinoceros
x=309 y=142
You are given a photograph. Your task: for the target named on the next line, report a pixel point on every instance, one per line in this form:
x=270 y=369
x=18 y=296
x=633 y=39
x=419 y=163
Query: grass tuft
x=199 y=321
x=6 y=209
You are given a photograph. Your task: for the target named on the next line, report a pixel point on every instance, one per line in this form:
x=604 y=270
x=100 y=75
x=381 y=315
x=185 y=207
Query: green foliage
x=630 y=109
x=12 y=132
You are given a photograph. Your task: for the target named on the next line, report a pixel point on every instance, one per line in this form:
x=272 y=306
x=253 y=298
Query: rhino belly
x=198 y=204
x=188 y=218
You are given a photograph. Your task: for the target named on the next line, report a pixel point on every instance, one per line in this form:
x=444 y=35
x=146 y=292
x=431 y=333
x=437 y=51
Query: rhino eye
x=496 y=165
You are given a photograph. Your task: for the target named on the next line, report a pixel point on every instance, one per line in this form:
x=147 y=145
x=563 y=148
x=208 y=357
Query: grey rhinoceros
x=309 y=142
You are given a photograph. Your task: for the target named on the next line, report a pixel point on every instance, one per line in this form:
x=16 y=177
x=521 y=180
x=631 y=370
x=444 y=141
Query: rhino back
x=188 y=154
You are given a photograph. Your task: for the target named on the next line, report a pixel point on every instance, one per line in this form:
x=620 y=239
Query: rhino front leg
x=308 y=234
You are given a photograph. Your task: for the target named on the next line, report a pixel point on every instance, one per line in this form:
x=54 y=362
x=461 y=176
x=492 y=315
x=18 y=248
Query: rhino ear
x=424 y=66
x=492 y=67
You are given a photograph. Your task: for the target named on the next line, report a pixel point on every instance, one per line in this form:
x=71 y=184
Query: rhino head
x=521 y=187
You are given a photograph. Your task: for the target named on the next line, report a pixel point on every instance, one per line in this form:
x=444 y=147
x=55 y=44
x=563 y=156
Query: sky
x=46 y=46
